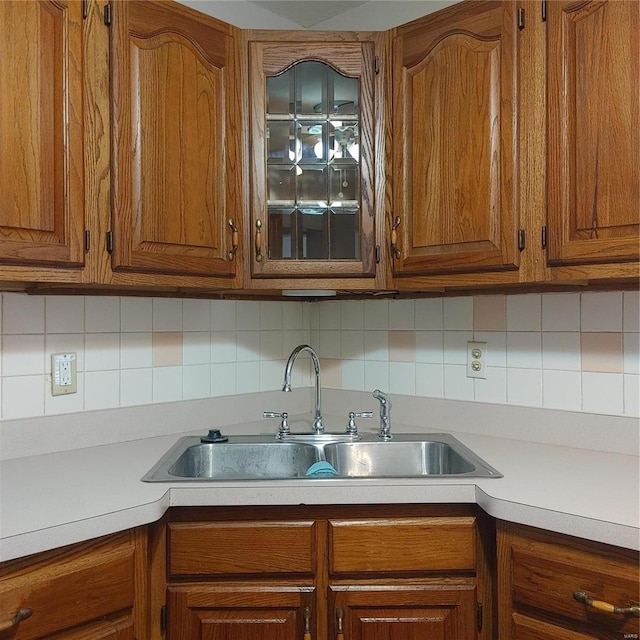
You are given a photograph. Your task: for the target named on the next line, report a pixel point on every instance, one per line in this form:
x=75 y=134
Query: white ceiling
x=358 y=15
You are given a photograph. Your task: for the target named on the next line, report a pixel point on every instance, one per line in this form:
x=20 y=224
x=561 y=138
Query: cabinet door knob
x=395 y=251
x=599 y=605
x=21 y=614
x=258 y=240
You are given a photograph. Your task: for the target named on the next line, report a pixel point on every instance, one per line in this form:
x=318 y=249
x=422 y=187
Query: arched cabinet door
x=593 y=85
x=176 y=165
x=455 y=142
x=42 y=218
x=312 y=158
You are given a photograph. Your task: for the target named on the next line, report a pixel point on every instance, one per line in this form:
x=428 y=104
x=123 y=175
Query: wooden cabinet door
x=405 y=612
x=454 y=142
x=594 y=131
x=323 y=238
x=176 y=161
x=230 y=612
x=41 y=163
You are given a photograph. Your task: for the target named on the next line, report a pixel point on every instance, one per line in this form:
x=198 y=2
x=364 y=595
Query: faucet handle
x=284 y=429
x=352 y=427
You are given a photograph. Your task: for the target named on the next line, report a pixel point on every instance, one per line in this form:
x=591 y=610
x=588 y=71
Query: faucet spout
x=318 y=426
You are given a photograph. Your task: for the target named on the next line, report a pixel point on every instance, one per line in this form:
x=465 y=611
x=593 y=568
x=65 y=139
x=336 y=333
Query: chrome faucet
x=318 y=426
x=385 y=415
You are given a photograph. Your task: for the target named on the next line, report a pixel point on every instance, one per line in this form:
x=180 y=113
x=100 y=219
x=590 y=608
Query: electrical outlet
x=64 y=374
x=477 y=360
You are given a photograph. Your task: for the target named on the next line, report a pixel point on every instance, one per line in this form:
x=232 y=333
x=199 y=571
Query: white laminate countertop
x=47 y=501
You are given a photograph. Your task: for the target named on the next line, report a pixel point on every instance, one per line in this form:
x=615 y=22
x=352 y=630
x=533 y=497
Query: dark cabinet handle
x=258 y=241
x=234 y=239
x=306 y=616
x=340 y=621
x=22 y=614
x=394 y=238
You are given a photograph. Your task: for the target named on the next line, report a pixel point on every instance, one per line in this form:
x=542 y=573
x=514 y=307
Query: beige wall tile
x=402 y=346
x=331 y=373
x=489 y=313
x=602 y=352
x=167 y=348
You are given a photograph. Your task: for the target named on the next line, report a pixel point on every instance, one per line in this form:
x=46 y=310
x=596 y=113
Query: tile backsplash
x=574 y=351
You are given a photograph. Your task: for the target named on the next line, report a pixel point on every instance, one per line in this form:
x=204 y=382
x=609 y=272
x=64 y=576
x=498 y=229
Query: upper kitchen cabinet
x=42 y=219
x=312 y=104
x=593 y=90
x=176 y=159
x=455 y=147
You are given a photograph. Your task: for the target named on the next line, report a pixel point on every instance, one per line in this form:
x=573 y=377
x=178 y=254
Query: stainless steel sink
x=440 y=456
x=265 y=458
x=237 y=459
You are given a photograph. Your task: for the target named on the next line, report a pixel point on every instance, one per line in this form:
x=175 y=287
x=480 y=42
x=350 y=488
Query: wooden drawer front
x=402 y=545
x=238 y=548
x=525 y=628
x=66 y=594
x=546 y=576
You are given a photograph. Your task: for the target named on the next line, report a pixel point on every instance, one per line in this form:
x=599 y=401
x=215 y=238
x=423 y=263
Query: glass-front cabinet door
x=312 y=178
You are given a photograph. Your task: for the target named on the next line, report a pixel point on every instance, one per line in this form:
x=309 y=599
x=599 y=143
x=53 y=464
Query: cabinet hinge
x=479 y=615
x=376 y=65
x=521 y=239
x=521 y=18
x=87 y=240
x=543 y=237
x=109 y=241
x=107 y=14
x=544 y=10
x=164 y=619
x=377 y=254
x=85 y=9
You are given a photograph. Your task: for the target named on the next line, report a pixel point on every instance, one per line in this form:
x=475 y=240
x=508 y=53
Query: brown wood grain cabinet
x=177 y=174
x=515 y=145
x=121 y=146
x=539 y=575
x=95 y=590
x=593 y=89
x=385 y=571
x=42 y=213
x=494 y=143
x=455 y=142
x=315 y=103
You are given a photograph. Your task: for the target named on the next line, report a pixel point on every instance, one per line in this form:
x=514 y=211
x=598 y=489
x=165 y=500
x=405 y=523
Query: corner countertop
x=50 y=500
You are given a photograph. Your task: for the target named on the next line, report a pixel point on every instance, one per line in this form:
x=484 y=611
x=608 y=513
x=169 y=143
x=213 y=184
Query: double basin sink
x=323 y=456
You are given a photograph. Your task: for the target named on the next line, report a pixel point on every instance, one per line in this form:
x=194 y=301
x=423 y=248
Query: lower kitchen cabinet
x=556 y=587
x=94 y=590
x=250 y=612
x=368 y=572
x=404 y=611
